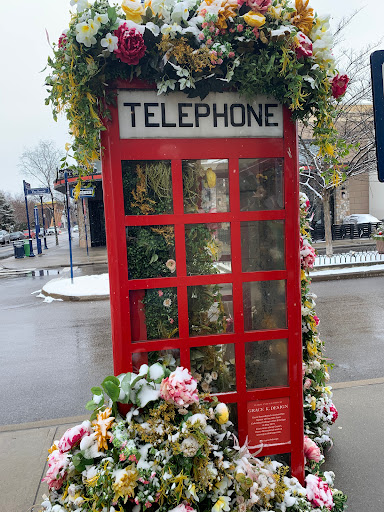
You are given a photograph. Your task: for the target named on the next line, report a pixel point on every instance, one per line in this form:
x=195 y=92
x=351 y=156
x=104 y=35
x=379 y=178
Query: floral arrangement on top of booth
x=271 y=47
x=173 y=452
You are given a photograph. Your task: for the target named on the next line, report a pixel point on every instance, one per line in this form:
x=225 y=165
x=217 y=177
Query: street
x=52 y=354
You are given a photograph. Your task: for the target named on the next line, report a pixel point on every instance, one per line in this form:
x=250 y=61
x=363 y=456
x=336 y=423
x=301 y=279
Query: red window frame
x=116 y=150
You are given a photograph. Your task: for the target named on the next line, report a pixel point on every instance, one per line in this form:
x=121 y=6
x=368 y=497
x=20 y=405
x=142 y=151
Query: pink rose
x=307 y=254
x=339 y=85
x=334 y=412
x=256 y=5
x=183 y=507
x=307 y=383
x=57 y=465
x=73 y=436
x=303 y=46
x=179 y=388
x=318 y=492
x=316 y=319
x=311 y=450
x=131 y=47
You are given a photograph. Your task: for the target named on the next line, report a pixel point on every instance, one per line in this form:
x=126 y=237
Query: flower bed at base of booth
x=278 y=48
x=173 y=452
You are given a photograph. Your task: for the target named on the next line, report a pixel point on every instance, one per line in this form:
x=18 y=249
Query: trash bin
x=18 y=248
x=27 y=250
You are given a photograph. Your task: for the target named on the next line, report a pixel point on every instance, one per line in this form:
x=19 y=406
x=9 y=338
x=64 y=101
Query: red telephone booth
x=202 y=220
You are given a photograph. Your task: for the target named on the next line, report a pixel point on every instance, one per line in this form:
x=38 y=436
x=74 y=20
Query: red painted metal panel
x=124 y=305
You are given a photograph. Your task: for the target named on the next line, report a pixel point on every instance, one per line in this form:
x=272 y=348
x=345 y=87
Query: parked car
x=51 y=231
x=4 y=237
x=26 y=233
x=16 y=235
x=75 y=229
x=360 y=218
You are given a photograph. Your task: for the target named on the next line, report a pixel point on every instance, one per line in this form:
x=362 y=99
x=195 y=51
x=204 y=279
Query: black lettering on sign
x=148 y=114
x=259 y=118
x=182 y=114
x=232 y=114
x=270 y=114
x=133 y=114
x=201 y=114
x=164 y=123
x=219 y=114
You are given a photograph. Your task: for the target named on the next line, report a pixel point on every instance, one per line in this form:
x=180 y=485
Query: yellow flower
x=303 y=17
x=303 y=275
x=254 y=19
x=125 y=483
x=313 y=403
x=101 y=425
x=221 y=414
x=312 y=349
x=133 y=10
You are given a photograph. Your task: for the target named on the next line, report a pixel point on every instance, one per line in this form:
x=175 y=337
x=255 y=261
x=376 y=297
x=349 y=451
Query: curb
x=350 y=275
x=75 y=298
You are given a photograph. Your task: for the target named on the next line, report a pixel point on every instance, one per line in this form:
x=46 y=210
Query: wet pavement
x=52 y=354
x=351 y=325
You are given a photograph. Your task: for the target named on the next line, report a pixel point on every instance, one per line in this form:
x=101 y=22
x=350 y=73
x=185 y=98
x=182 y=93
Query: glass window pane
x=147 y=187
x=262 y=245
x=264 y=305
x=261 y=184
x=154 y=314
x=210 y=309
x=214 y=368
x=169 y=358
x=266 y=363
x=208 y=248
x=205 y=186
x=150 y=251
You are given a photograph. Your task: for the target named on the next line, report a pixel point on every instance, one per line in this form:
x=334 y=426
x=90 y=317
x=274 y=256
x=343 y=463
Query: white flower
x=110 y=42
x=180 y=12
x=171 y=30
x=86 y=31
x=167 y=303
x=155 y=29
x=221 y=504
x=80 y=4
x=101 y=19
x=189 y=447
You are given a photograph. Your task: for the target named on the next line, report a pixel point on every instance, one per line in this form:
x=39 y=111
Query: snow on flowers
x=175 y=453
x=195 y=46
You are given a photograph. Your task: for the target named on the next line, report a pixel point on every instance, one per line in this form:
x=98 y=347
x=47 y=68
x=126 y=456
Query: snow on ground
x=83 y=286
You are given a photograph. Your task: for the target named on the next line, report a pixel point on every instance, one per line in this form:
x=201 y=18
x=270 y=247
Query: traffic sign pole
x=69 y=224
x=43 y=221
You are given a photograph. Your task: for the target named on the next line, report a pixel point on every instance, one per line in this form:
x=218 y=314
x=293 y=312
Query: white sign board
x=145 y=115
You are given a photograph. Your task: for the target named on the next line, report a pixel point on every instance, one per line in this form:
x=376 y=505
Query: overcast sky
x=24 y=117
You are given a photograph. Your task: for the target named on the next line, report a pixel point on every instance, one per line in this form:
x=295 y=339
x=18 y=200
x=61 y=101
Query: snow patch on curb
x=82 y=288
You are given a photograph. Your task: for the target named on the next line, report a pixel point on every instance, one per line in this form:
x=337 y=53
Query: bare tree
x=355 y=126
x=42 y=162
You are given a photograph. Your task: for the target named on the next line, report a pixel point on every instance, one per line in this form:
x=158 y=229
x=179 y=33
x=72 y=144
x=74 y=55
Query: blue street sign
x=37 y=191
x=377 y=70
x=84 y=192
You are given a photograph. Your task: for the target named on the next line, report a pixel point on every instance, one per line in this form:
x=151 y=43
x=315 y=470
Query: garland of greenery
x=195 y=46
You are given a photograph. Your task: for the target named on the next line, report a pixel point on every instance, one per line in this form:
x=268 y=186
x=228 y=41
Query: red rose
x=303 y=46
x=131 y=45
x=339 y=85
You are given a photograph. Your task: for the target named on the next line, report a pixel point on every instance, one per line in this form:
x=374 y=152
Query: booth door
x=208 y=263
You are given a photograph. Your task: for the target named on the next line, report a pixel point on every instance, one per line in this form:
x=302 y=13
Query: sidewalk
x=57 y=256
x=357 y=457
